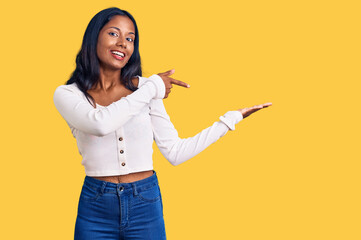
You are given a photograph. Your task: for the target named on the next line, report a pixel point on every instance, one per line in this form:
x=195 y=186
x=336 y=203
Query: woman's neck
x=108 y=79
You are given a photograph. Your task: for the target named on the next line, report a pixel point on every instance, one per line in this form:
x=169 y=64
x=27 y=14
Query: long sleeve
x=177 y=150
x=79 y=113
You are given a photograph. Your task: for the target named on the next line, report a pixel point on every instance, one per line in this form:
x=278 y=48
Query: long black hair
x=86 y=73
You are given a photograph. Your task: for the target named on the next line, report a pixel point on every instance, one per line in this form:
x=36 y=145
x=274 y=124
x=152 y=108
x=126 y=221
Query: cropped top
x=117 y=139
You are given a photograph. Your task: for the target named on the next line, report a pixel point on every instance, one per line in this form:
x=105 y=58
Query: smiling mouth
x=118 y=55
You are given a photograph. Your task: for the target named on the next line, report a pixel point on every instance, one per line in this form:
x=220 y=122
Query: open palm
x=248 y=111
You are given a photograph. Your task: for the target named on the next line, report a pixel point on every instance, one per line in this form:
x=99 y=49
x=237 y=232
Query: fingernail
x=188 y=85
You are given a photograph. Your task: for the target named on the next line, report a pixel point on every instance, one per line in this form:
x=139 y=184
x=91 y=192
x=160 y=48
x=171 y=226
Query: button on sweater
x=117 y=139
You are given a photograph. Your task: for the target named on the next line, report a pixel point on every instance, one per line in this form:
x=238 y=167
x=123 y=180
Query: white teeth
x=118 y=53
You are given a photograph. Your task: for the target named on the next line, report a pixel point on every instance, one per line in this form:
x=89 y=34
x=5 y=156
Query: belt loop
x=103 y=187
x=134 y=189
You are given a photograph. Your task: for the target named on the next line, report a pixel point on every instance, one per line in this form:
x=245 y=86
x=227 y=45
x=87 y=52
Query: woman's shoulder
x=69 y=86
x=67 y=90
x=73 y=87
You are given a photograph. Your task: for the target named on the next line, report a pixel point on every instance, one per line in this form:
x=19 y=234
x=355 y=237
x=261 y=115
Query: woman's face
x=116 y=43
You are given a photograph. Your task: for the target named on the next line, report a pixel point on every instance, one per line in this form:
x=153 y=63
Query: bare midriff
x=128 y=178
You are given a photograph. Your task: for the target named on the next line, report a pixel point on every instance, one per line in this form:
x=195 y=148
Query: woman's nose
x=122 y=42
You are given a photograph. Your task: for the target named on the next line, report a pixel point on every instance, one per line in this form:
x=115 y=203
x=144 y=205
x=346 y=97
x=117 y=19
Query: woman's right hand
x=248 y=111
x=168 y=81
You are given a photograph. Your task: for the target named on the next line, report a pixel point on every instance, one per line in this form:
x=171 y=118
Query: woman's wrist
x=158 y=84
x=231 y=118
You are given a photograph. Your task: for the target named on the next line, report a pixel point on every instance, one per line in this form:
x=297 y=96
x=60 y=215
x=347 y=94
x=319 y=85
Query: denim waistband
x=136 y=186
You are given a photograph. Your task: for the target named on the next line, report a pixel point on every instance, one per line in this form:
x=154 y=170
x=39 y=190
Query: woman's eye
x=113 y=34
x=130 y=39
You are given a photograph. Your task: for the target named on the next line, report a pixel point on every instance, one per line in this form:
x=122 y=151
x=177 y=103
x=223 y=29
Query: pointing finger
x=180 y=83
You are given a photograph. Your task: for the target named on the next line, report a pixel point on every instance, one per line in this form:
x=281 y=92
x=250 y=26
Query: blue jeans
x=120 y=211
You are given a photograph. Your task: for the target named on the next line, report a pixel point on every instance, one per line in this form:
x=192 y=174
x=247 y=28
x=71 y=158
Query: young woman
x=115 y=114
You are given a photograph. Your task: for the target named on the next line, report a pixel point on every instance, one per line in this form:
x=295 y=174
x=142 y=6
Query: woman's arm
x=177 y=150
x=79 y=113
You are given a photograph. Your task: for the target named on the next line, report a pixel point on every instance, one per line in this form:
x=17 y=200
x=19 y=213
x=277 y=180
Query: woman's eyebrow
x=119 y=30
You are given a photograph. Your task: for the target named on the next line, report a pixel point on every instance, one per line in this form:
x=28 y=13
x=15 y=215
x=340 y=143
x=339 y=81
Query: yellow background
x=290 y=171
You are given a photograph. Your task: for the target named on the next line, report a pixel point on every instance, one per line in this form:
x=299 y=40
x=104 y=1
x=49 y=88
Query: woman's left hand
x=248 y=111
